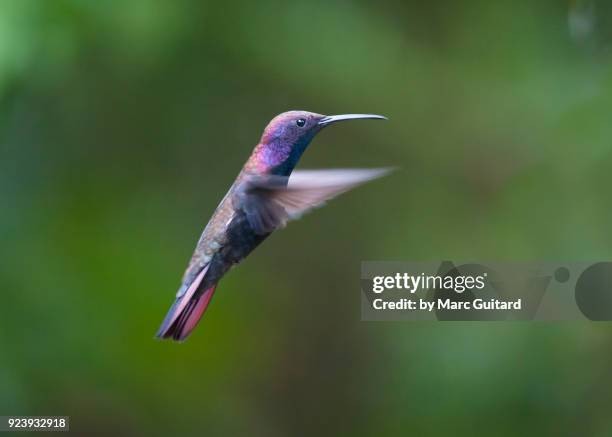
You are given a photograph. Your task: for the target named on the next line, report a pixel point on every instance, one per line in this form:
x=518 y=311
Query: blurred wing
x=269 y=202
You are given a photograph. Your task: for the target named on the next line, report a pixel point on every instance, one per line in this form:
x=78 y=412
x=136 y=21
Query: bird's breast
x=240 y=239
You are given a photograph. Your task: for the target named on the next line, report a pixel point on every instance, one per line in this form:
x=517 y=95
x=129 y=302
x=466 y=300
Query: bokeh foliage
x=123 y=123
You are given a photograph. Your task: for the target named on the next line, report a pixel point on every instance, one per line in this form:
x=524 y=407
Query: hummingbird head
x=287 y=136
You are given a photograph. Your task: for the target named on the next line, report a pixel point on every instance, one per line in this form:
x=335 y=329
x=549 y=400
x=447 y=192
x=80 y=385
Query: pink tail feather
x=186 y=311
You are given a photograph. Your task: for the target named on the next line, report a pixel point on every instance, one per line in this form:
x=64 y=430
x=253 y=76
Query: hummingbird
x=266 y=194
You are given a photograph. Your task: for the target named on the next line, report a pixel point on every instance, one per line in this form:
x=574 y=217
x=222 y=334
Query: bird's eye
x=300 y=122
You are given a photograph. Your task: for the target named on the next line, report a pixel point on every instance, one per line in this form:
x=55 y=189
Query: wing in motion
x=269 y=202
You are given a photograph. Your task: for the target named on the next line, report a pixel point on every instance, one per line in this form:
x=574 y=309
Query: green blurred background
x=123 y=123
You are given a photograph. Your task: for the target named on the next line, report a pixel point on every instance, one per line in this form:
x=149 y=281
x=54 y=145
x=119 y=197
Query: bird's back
x=225 y=241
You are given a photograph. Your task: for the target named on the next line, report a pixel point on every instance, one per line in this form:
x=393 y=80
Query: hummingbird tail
x=187 y=318
x=186 y=311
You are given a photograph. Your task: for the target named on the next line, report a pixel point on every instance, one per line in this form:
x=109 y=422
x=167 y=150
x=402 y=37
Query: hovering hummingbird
x=264 y=197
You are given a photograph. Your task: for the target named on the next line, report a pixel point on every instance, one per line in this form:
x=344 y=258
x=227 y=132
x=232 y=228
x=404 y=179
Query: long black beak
x=334 y=118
